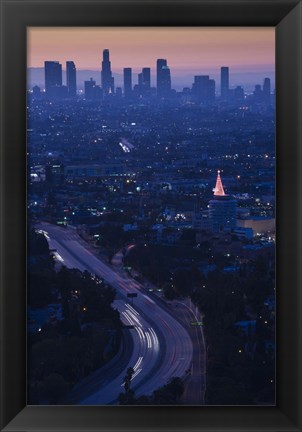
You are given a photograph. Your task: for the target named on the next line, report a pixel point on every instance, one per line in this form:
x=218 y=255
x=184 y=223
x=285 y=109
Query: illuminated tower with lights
x=222 y=209
x=218 y=189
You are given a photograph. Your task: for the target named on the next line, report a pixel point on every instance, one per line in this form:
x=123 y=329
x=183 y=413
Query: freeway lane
x=162 y=347
x=143 y=357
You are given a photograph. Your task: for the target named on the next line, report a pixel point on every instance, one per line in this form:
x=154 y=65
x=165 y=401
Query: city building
x=92 y=91
x=163 y=78
x=238 y=94
x=258 y=93
x=201 y=221
x=54 y=173
x=267 y=91
x=127 y=82
x=106 y=75
x=118 y=92
x=142 y=89
x=259 y=224
x=53 y=77
x=203 y=89
x=224 y=82
x=71 y=79
x=89 y=88
x=222 y=209
x=243 y=233
x=146 y=78
x=36 y=92
x=96 y=170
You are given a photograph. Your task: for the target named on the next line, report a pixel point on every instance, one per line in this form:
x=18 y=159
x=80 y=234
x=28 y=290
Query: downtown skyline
x=151 y=207
x=249 y=52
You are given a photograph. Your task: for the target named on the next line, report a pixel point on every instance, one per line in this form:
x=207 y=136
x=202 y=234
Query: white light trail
x=45 y=233
x=136 y=373
x=149 y=300
x=58 y=257
x=134 y=317
x=140 y=333
x=154 y=336
x=137 y=364
x=148 y=340
x=128 y=318
x=132 y=309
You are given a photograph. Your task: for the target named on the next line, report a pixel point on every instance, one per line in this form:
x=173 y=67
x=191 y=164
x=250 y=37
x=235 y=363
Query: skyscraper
x=106 y=75
x=203 y=89
x=146 y=78
x=140 y=79
x=222 y=209
x=163 y=78
x=53 y=76
x=224 y=82
x=142 y=89
x=127 y=82
x=89 y=87
x=258 y=95
x=267 y=90
x=238 y=94
x=71 y=78
x=211 y=90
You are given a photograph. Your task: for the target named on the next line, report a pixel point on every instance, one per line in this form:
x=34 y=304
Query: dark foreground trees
x=73 y=328
x=169 y=394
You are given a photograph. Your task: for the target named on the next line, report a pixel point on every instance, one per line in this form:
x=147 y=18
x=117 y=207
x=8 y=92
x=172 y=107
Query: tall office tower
x=140 y=79
x=53 y=76
x=267 y=90
x=118 y=92
x=106 y=75
x=159 y=65
x=222 y=209
x=203 y=89
x=146 y=78
x=258 y=95
x=211 y=91
x=71 y=79
x=238 y=94
x=89 y=87
x=199 y=86
x=127 y=82
x=224 y=82
x=163 y=78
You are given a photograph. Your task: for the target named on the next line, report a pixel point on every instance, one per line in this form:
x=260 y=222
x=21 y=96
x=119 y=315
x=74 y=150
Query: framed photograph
x=150 y=217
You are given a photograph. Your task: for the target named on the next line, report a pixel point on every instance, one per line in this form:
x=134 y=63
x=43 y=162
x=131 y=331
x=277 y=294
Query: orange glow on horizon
x=187 y=49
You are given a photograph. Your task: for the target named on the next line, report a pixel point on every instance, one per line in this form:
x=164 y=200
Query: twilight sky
x=248 y=51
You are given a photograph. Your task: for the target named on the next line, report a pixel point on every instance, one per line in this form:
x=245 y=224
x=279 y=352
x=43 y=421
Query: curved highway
x=162 y=347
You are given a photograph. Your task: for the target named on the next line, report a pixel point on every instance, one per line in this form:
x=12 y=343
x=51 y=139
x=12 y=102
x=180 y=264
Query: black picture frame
x=16 y=15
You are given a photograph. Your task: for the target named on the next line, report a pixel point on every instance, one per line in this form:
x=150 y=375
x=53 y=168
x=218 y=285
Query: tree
x=128 y=377
x=53 y=388
x=183 y=282
x=38 y=244
x=169 y=394
x=127 y=398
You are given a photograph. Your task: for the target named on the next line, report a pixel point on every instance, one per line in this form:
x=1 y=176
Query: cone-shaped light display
x=218 y=189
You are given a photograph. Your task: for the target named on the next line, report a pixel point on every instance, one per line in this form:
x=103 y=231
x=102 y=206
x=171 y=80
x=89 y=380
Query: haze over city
x=249 y=52
x=151 y=215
